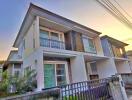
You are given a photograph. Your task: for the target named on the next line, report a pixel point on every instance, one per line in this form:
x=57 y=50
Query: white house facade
x=60 y=50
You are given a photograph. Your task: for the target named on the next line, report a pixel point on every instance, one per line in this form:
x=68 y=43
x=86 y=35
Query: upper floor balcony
x=71 y=40
x=44 y=42
x=113 y=47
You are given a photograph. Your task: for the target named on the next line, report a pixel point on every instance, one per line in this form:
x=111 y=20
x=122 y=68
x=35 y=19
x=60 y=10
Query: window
x=17 y=73
x=93 y=67
x=52 y=39
x=60 y=74
x=88 y=45
x=54 y=74
x=54 y=36
x=44 y=34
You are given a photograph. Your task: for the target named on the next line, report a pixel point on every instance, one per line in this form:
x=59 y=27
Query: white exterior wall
x=31 y=40
x=106 y=68
x=35 y=60
x=32 y=54
x=123 y=67
x=130 y=62
x=78 y=69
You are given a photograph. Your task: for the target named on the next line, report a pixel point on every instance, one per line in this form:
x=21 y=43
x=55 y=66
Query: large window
x=52 y=39
x=54 y=74
x=88 y=45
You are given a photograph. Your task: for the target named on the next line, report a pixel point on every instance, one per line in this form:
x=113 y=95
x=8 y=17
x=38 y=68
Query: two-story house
x=115 y=49
x=13 y=64
x=63 y=51
x=60 y=50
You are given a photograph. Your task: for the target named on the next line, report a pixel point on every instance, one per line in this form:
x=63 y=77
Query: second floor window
x=52 y=39
x=89 y=45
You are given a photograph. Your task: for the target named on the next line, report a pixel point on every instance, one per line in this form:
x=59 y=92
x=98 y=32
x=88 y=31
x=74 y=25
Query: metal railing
x=51 y=43
x=87 y=90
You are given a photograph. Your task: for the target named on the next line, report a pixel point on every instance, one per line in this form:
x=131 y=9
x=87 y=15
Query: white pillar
x=123 y=91
x=78 y=69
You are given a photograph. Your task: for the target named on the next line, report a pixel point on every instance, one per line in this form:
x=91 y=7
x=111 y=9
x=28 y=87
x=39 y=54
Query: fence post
x=117 y=89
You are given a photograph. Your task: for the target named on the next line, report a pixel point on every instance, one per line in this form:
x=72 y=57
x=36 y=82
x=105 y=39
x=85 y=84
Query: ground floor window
x=54 y=74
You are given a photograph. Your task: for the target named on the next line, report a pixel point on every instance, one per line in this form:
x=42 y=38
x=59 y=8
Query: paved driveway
x=129 y=94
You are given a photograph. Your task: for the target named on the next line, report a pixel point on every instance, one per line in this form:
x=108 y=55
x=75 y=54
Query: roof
x=30 y=15
x=114 y=41
x=12 y=51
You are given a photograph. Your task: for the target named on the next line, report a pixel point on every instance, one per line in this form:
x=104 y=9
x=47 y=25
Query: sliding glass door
x=54 y=74
x=49 y=75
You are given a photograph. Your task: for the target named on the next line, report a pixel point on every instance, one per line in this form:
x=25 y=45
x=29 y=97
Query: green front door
x=49 y=75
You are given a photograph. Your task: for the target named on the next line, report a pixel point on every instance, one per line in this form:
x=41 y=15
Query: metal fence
x=87 y=90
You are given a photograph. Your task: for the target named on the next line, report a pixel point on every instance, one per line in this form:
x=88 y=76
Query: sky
x=85 y=12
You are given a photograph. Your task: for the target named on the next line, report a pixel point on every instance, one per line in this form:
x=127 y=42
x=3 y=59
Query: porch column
x=39 y=67
x=78 y=69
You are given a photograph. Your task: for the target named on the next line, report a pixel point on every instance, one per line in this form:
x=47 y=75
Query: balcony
x=44 y=42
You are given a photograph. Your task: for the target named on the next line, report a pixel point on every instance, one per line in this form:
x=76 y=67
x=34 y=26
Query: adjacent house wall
x=78 y=69
x=123 y=67
x=105 y=46
x=106 y=68
x=130 y=62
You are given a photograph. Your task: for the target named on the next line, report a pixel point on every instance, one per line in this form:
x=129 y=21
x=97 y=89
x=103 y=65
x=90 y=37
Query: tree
x=18 y=84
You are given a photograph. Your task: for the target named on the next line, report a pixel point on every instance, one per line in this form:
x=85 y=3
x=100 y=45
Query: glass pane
x=91 y=45
x=49 y=75
x=44 y=38
x=61 y=80
x=44 y=34
x=54 y=36
x=93 y=67
x=60 y=73
x=86 y=44
x=17 y=73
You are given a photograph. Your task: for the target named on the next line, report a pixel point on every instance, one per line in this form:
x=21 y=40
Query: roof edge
x=31 y=6
x=108 y=37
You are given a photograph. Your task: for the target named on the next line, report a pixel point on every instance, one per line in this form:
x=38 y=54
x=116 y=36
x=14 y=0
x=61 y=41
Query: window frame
x=52 y=31
x=93 y=42
x=66 y=69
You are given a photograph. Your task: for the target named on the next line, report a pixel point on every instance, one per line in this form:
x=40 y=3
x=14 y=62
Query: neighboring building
x=129 y=55
x=116 y=49
x=13 y=64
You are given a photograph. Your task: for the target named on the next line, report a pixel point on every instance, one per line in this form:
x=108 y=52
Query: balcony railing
x=52 y=43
